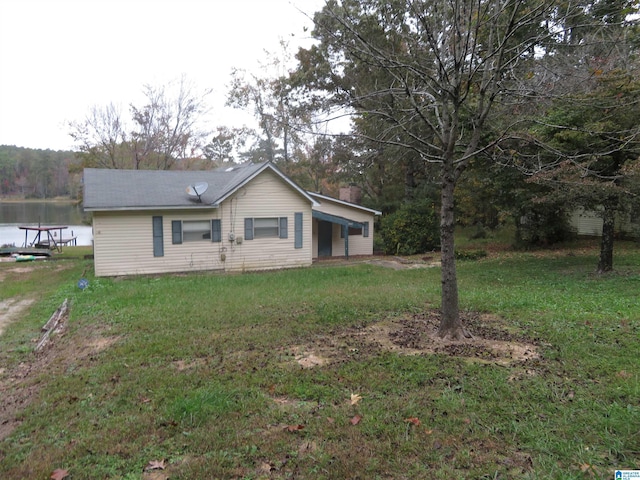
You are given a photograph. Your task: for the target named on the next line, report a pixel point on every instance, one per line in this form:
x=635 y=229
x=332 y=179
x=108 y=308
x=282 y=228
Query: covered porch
x=325 y=236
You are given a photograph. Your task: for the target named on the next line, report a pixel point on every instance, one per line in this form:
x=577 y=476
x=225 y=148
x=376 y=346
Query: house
x=242 y=218
x=589 y=223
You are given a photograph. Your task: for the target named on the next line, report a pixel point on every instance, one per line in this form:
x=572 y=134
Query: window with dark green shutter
x=298 y=229
x=176 y=232
x=365 y=231
x=158 y=241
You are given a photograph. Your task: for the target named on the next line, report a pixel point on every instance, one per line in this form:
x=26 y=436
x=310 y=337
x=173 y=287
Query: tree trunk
x=450 y=324
x=409 y=182
x=605 y=263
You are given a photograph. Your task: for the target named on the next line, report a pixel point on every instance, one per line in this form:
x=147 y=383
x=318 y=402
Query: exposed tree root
x=457 y=332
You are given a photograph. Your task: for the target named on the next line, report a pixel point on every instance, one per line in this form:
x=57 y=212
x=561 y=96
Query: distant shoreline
x=15 y=199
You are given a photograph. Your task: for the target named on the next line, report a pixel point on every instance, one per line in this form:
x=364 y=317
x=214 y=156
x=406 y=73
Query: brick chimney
x=351 y=194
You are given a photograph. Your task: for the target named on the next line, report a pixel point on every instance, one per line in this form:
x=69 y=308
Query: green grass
x=199 y=370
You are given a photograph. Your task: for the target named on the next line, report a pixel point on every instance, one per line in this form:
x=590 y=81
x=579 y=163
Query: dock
x=46 y=237
x=37 y=252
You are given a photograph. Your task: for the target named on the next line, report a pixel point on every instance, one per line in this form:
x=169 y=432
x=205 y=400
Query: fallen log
x=54 y=324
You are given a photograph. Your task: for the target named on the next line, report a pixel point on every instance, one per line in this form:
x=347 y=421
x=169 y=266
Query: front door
x=325 y=238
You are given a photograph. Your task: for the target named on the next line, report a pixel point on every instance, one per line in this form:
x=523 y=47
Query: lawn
x=325 y=372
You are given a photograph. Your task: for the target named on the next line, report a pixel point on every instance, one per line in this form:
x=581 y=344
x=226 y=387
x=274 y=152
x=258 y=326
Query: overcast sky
x=58 y=58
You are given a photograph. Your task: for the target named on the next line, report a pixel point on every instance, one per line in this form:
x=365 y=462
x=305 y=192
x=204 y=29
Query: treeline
x=34 y=173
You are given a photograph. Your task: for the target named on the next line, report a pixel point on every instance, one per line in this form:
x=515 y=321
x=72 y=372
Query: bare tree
x=166 y=129
x=270 y=98
x=102 y=137
x=167 y=126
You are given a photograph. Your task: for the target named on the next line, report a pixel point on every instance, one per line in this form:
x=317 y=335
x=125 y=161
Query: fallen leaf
x=266 y=467
x=355 y=420
x=59 y=474
x=428 y=432
x=155 y=465
x=155 y=475
x=330 y=420
x=293 y=428
x=145 y=399
x=623 y=374
x=588 y=468
x=413 y=420
x=467 y=421
x=355 y=398
x=308 y=447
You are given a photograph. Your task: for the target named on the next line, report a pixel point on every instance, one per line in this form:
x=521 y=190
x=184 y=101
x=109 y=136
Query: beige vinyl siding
x=589 y=223
x=123 y=244
x=358 y=244
x=266 y=196
x=586 y=222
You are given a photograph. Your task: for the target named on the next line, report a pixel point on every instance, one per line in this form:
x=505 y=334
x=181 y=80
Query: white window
x=196 y=230
x=266 y=227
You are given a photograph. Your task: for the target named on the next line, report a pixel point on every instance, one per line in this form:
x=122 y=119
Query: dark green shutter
x=176 y=232
x=216 y=230
x=158 y=241
x=365 y=231
x=248 y=228
x=283 y=228
x=297 y=229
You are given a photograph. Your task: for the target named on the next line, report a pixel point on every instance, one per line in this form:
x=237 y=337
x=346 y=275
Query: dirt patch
x=18 y=270
x=396 y=264
x=182 y=365
x=393 y=262
x=11 y=309
x=307 y=359
x=8 y=271
x=417 y=334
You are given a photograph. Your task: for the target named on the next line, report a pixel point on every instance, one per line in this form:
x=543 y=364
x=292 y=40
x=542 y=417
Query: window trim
x=250 y=229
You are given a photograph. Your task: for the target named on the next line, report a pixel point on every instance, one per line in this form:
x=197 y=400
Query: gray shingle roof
x=109 y=189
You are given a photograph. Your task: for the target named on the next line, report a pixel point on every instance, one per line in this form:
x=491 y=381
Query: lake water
x=14 y=214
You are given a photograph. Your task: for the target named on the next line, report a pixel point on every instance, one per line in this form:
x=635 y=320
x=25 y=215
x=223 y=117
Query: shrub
x=543 y=224
x=470 y=254
x=414 y=228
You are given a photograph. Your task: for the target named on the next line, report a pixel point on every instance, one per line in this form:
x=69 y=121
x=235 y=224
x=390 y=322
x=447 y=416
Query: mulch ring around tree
x=492 y=341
